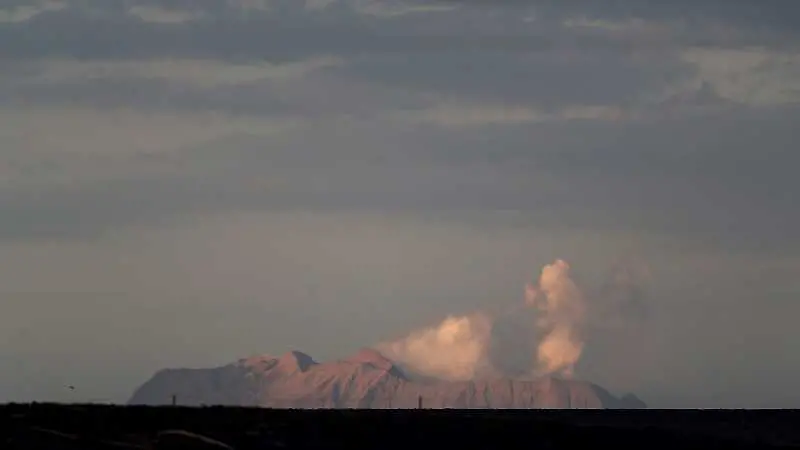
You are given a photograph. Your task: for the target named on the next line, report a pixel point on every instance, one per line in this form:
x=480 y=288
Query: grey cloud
x=467 y=54
x=407 y=80
x=272 y=36
x=782 y=14
x=546 y=78
x=152 y=95
x=680 y=179
x=478 y=57
x=228 y=34
x=623 y=295
x=365 y=87
x=316 y=95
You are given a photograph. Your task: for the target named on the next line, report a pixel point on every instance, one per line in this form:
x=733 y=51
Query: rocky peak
x=373 y=358
x=295 y=361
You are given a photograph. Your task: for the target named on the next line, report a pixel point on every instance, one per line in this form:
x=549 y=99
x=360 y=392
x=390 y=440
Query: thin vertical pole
x=174 y=399
x=419 y=402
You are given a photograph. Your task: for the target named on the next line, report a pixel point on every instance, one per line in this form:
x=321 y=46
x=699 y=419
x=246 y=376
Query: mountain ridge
x=366 y=379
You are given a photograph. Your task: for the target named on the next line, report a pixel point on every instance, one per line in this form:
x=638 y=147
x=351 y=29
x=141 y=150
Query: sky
x=185 y=183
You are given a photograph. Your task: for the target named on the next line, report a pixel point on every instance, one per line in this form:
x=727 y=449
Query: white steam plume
x=456 y=349
x=562 y=310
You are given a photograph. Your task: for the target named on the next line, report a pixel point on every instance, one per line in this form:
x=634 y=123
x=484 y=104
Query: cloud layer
x=453 y=94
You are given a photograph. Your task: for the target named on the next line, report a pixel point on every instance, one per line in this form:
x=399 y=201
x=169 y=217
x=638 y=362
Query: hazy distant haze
x=188 y=183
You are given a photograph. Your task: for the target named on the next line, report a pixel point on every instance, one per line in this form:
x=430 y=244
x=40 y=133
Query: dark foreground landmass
x=55 y=427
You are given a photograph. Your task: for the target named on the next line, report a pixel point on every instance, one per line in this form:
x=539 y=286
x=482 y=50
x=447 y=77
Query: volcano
x=364 y=380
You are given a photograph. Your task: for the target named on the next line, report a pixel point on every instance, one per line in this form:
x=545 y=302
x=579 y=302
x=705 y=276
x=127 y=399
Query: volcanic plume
x=455 y=349
x=563 y=311
x=459 y=348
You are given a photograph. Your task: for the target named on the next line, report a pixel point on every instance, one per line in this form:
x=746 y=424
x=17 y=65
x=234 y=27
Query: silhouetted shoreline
x=56 y=426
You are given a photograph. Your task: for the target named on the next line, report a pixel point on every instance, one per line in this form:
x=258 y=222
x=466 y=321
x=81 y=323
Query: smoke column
x=562 y=312
x=453 y=350
x=458 y=347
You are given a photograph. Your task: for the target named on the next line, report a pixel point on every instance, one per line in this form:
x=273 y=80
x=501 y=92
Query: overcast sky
x=187 y=182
